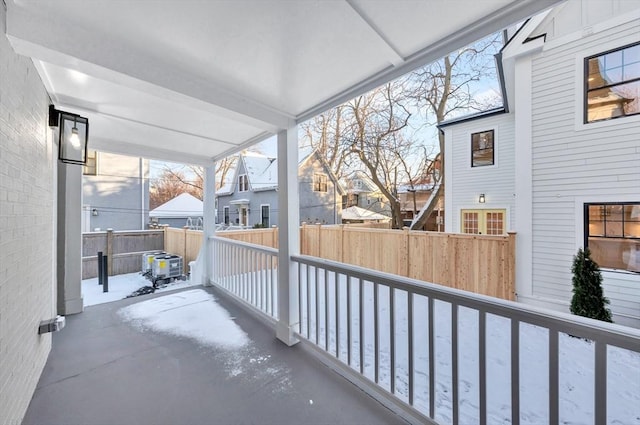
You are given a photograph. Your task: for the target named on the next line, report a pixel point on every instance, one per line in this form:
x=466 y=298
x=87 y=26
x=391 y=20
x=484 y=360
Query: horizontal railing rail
x=247 y=271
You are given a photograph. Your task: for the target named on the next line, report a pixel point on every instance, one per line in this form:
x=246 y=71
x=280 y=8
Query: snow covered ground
x=120 y=287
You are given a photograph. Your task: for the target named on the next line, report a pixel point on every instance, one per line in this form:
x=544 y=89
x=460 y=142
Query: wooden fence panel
x=478 y=263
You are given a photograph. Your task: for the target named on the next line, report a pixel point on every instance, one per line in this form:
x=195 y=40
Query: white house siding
x=574 y=163
x=467 y=183
x=27 y=217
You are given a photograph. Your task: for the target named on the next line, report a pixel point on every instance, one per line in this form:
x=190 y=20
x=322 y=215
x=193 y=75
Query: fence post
x=511 y=256
x=303 y=238
x=110 y=252
x=100 y=271
x=403 y=264
x=342 y=243
x=319 y=228
x=274 y=236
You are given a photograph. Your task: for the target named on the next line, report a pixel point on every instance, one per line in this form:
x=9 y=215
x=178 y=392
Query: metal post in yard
x=105 y=277
x=100 y=274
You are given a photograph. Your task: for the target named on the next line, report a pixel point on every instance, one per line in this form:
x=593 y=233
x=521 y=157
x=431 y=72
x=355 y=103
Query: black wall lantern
x=73 y=135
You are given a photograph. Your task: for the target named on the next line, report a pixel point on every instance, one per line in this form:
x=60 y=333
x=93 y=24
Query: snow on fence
x=482 y=264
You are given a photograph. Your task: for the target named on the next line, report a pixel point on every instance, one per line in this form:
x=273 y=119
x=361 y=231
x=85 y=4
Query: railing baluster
x=336 y=290
x=300 y=304
x=410 y=343
x=308 y=303
x=515 y=372
x=376 y=333
x=454 y=364
x=432 y=361
x=553 y=377
x=482 y=365
x=392 y=340
x=317 y=288
x=326 y=310
x=361 y=323
x=601 y=383
x=349 y=322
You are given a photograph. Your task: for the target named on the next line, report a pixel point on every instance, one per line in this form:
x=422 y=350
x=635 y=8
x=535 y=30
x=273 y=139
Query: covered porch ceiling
x=191 y=81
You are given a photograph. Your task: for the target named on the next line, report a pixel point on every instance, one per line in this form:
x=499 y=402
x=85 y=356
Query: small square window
x=482 y=149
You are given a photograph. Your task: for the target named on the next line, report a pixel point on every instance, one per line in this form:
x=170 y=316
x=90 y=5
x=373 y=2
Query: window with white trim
x=482 y=148
x=612 y=234
x=612 y=84
x=319 y=182
x=265 y=211
x=226 y=215
x=243 y=183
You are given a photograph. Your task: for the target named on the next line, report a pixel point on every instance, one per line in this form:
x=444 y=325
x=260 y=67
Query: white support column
x=209 y=224
x=288 y=234
x=69 y=242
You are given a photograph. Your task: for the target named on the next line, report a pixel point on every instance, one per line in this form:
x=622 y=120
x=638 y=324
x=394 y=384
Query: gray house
x=250 y=198
x=115 y=192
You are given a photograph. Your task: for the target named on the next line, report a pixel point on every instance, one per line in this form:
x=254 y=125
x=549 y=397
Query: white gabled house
x=560 y=163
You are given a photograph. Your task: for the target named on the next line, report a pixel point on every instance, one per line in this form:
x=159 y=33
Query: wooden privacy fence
x=124 y=248
x=478 y=263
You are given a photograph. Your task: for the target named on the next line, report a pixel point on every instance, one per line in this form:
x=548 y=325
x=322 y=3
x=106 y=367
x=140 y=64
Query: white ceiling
x=190 y=81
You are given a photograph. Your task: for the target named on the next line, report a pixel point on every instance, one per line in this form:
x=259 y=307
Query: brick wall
x=27 y=213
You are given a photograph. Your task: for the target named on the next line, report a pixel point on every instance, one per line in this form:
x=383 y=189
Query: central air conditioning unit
x=147 y=261
x=166 y=268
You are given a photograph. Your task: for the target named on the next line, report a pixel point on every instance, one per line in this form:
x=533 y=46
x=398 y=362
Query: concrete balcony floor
x=102 y=370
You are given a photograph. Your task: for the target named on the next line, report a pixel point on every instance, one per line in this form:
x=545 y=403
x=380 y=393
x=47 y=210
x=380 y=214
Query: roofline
x=472 y=117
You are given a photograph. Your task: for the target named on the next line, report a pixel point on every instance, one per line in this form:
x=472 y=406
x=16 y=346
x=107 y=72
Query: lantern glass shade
x=73 y=137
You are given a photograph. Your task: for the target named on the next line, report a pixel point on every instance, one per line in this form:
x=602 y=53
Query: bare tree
x=376 y=136
x=445 y=88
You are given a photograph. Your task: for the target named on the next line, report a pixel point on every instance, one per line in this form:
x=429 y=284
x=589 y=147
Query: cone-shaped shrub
x=588 y=299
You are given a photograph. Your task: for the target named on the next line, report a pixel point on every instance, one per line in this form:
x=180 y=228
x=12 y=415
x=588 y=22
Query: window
x=612 y=233
x=91 y=167
x=319 y=182
x=226 y=215
x=483 y=222
x=612 y=84
x=243 y=183
x=349 y=200
x=482 y=149
x=264 y=215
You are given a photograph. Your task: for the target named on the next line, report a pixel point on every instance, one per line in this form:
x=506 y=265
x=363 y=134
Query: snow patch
x=193 y=314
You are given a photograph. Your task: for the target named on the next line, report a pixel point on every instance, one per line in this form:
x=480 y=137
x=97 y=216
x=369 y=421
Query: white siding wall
x=497 y=182
x=27 y=211
x=574 y=163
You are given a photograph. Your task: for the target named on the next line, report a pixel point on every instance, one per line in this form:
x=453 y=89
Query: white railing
x=444 y=355
x=456 y=357
x=249 y=272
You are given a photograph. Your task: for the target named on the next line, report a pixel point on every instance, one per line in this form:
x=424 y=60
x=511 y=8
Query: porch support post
x=288 y=235
x=69 y=240
x=208 y=224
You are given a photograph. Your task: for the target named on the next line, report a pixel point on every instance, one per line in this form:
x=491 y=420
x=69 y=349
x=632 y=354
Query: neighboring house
x=115 y=192
x=560 y=164
x=183 y=210
x=362 y=192
x=251 y=199
x=413 y=200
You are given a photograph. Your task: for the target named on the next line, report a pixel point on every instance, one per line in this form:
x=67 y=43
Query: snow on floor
x=193 y=314
x=196 y=315
x=120 y=286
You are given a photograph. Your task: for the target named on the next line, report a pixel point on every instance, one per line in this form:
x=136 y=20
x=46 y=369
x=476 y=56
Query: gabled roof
x=262 y=171
x=183 y=205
